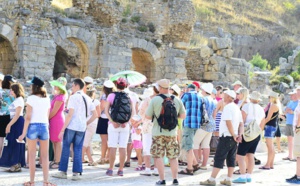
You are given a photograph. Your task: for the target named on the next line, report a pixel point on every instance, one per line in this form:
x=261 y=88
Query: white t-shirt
x=258 y=110
x=103 y=115
x=18 y=102
x=230 y=112
x=95 y=122
x=297 y=112
x=40 y=109
x=79 y=119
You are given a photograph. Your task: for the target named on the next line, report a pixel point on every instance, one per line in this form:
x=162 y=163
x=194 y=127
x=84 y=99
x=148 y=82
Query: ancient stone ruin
x=92 y=38
x=215 y=63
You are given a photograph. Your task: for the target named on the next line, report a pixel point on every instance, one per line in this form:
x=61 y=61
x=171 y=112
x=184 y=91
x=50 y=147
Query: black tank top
x=273 y=121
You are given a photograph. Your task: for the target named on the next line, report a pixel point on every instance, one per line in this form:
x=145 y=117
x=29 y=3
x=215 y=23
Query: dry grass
x=251 y=17
x=62 y=4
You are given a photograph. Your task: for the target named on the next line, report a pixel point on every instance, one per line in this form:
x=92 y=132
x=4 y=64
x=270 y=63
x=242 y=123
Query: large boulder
x=220 y=43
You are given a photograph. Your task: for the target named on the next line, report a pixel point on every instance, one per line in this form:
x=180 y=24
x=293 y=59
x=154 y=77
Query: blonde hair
x=245 y=94
x=277 y=102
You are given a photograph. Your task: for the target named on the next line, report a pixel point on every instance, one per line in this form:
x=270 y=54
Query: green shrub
x=135 y=19
x=142 y=28
x=295 y=75
x=278 y=79
x=274 y=81
x=285 y=79
x=124 y=20
x=157 y=44
x=258 y=61
x=289 y=6
x=275 y=72
x=117 y=3
x=127 y=11
x=151 y=27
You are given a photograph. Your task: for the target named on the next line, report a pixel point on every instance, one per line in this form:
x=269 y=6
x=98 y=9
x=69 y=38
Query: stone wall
x=89 y=39
x=215 y=63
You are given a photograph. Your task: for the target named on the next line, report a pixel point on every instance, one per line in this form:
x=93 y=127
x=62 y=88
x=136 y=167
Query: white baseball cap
x=293 y=92
x=231 y=93
x=88 y=79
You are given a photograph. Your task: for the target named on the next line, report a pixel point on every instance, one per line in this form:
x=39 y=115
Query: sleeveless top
x=273 y=121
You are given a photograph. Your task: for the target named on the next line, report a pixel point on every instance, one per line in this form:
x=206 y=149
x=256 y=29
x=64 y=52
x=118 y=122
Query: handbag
x=252 y=130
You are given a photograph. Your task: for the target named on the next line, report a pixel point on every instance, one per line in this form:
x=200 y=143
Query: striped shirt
x=192 y=102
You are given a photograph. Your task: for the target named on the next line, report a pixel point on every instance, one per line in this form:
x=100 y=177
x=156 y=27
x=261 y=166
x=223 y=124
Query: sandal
x=186 y=172
x=237 y=172
x=101 y=162
x=93 y=163
x=54 y=165
x=120 y=173
x=85 y=161
x=182 y=163
x=49 y=183
x=29 y=183
x=196 y=167
x=264 y=168
x=15 y=168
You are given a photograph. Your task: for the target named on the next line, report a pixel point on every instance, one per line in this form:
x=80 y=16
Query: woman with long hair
x=102 y=126
x=272 y=113
x=242 y=95
x=250 y=111
x=36 y=128
x=5 y=100
x=14 y=153
x=91 y=128
x=57 y=119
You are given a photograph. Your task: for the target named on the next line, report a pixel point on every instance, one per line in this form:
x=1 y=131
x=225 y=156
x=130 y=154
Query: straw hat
x=255 y=96
x=147 y=93
x=164 y=83
x=230 y=93
x=176 y=89
x=273 y=94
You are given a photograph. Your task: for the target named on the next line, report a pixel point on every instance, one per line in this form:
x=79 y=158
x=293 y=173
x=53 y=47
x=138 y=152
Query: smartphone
x=20 y=141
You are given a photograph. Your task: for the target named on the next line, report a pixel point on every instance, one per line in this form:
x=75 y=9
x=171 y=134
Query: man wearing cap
x=296 y=148
x=197 y=84
x=164 y=140
x=192 y=102
x=231 y=129
x=289 y=129
x=79 y=106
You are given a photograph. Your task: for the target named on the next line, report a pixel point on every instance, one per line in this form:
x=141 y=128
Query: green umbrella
x=133 y=78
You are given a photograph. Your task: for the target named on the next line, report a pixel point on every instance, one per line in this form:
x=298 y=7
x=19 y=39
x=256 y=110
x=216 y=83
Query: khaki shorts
x=296 y=151
x=289 y=130
x=202 y=138
x=162 y=144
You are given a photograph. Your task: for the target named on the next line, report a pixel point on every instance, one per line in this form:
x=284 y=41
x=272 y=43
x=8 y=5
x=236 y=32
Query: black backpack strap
x=162 y=96
x=86 y=112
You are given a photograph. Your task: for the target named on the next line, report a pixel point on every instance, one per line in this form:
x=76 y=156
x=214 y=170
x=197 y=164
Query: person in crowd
x=296 y=148
x=73 y=131
x=137 y=142
x=36 y=128
x=197 y=84
x=219 y=89
x=118 y=133
x=102 y=126
x=147 y=125
x=91 y=128
x=5 y=100
x=289 y=129
x=191 y=124
x=87 y=81
x=204 y=134
x=237 y=85
x=164 y=140
x=57 y=119
x=242 y=95
x=1 y=79
x=231 y=129
x=250 y=111
x=14 y=153
x=135 y=100
x=271 y=122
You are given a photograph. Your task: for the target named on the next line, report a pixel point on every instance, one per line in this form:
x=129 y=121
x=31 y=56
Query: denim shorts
x=38 y=131
x=270 y=131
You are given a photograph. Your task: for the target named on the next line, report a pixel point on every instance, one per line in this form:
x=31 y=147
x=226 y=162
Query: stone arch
x=143 y=63
x=7 y=52
x=145 y=56
x=85 y=42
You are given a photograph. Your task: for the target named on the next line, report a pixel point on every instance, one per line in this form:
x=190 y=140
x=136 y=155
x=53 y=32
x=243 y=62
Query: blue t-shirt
x=290 y=117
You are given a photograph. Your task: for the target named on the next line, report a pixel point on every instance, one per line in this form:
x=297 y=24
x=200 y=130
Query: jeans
x=75 y=137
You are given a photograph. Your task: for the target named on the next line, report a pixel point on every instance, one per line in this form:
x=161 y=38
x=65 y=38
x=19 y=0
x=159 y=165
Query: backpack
x=204 y=114
x=168 y=118
x=121 y=108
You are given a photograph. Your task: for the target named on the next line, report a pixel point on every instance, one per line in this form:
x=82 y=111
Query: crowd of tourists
x=167 y=126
